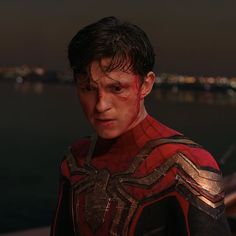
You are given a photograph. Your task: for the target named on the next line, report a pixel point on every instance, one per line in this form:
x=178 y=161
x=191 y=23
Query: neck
x=140 y=117
x=128 y=139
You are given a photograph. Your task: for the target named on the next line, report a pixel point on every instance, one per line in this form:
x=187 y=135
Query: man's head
x=126 y=44
x=112 y=63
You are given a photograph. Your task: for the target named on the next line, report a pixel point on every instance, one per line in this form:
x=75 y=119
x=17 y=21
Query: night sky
x=189 y=37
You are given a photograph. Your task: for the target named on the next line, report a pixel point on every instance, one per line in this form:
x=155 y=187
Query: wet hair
x=126 y=44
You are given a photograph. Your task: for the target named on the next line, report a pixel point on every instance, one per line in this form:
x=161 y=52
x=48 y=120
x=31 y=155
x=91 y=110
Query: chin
x=108 y=134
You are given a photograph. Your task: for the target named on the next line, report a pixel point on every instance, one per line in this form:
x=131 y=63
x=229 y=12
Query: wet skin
x=113 y=102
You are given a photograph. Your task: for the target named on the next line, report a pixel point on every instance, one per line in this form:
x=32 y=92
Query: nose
x=103 y=102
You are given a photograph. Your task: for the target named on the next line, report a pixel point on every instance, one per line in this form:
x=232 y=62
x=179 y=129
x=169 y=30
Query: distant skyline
x=189 y=37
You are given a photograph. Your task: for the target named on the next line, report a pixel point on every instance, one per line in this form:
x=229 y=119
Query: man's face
x=111 y=100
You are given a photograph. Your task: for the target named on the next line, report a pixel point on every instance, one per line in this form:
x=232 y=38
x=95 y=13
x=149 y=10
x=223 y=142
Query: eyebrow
x=116 y=83
x=118 y=80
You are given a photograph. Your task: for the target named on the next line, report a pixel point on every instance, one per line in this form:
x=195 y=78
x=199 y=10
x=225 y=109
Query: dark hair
x=126 y=44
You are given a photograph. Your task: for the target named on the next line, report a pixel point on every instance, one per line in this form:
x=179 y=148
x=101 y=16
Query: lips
x=104 y=122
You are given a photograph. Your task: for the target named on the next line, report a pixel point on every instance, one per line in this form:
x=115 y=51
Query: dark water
x=38 y=122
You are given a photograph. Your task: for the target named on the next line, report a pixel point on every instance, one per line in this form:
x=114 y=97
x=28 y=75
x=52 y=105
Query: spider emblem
x=103 y=190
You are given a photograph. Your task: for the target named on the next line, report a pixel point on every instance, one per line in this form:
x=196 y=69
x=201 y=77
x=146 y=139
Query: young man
x=135 y=176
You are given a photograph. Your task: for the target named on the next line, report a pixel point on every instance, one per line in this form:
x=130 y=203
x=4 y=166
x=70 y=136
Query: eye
x=116 y=89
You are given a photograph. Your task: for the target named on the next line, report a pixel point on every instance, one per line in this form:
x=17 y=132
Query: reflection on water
x=169 y=95
x=39 y=120
x=191 y=96
x=27 y=87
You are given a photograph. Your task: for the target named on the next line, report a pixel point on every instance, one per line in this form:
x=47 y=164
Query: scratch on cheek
x=137 y=85
x=124 y=97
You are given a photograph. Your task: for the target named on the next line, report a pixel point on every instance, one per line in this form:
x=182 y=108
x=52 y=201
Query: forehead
x=99 y=70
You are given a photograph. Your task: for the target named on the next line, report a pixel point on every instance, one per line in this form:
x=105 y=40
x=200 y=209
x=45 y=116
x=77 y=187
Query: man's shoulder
x=199 y=181
x=195 y=173
x=171 y=147
x=80 y=147
x=172 y=142
x=76 y=154
x=200 y=157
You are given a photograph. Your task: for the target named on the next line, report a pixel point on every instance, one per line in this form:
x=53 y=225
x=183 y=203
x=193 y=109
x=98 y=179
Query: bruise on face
x=116 y=85
x=112 y=100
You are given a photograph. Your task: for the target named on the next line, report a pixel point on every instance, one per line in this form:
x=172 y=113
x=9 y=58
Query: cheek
x=129 y=101
x=137 y=94
x=133 y=92
x=129 y=106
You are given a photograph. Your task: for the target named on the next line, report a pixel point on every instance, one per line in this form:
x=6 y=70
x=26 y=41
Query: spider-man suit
x=149 y=181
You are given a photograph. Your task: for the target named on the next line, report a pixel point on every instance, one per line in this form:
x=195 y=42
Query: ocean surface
x=39 y=121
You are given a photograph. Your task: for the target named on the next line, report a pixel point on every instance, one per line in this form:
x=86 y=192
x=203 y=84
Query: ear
x=147 y=84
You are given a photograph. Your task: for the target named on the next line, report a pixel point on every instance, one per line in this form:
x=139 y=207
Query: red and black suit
x=149 y=181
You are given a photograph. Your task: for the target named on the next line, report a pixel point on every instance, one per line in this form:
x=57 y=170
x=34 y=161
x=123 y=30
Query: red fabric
x=117 y=154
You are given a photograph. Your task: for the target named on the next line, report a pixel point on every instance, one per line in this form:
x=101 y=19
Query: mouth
x=105 y=122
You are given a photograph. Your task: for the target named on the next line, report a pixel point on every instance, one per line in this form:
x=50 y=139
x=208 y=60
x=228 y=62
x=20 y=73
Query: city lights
x=21 y=74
